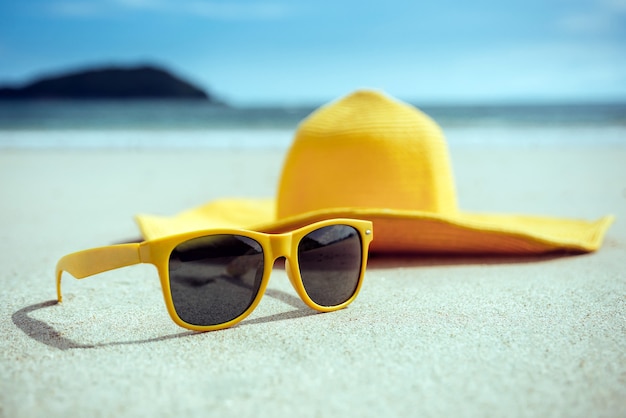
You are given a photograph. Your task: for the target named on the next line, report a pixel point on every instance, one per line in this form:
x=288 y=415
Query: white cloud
x=587 y=23
x=75 y=8
x=605 y=16
x=205 y=9
x=234 y=11
x=615 y=5
x=139 y=4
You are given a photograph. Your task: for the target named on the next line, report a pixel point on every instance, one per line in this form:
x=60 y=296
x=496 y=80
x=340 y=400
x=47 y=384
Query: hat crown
x=367 y=151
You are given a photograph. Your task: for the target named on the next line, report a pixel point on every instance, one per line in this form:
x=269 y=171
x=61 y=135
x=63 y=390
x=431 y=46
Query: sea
x=196 y=124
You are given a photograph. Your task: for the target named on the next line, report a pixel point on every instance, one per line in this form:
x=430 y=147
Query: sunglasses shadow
x=301 y=310
x=46 y=334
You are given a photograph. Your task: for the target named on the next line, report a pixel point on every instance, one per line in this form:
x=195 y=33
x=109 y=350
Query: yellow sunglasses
x=213 y=279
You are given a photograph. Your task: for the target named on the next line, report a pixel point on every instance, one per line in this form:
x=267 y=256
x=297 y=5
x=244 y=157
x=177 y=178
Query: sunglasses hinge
x=145 y=255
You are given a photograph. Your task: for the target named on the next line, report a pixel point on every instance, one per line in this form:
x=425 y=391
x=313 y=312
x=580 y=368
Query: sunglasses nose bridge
x=281 y=245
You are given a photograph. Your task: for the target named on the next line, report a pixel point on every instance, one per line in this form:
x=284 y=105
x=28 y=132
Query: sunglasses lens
x=330 y=264
x=214 y=279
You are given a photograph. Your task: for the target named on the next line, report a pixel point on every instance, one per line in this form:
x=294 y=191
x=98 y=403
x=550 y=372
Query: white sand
x=536 y=337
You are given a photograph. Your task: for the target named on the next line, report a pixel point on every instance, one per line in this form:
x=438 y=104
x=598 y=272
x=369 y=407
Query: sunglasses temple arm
x=96 y=260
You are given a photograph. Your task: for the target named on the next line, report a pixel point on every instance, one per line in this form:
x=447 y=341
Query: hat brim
x=399 y=231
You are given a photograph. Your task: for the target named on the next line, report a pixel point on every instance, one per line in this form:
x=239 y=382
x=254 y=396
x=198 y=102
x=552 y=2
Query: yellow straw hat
x=371 y=157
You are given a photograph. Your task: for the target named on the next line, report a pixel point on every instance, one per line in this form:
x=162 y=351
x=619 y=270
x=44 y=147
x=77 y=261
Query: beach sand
x=427 y=336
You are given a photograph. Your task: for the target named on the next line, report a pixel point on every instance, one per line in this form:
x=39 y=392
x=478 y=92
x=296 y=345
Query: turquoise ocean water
x=102 y=124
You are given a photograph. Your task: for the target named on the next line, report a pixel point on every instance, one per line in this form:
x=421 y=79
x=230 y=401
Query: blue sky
x=280 y=51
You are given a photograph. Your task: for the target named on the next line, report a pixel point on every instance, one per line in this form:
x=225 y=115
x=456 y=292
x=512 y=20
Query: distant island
x=143 y=82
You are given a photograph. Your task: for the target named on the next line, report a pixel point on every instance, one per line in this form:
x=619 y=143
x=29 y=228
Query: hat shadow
x=403 y=260
x=46 y=334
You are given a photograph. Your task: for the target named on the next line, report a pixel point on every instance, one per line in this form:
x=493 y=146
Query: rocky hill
x=145 y=82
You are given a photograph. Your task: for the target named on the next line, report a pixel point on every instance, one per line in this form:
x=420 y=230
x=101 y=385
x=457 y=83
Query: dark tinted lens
x=214 y=279
x=330 y=264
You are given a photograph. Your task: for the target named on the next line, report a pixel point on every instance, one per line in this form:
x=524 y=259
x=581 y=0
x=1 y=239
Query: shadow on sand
x=44 y=333
x=48 y=335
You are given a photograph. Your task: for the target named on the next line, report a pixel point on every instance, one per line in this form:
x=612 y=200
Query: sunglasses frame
x=157 y=252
